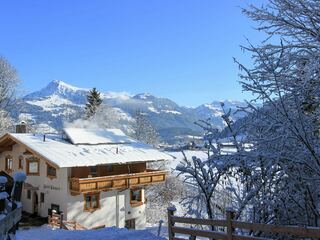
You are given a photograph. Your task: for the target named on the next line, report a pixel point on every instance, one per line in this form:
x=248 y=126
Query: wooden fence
x=55 y=220
x=10 y=221
x=230 y=225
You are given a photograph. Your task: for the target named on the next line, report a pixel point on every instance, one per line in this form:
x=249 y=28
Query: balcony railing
x=123 y=181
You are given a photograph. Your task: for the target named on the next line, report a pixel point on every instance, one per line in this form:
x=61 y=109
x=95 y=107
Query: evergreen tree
x=94 y=101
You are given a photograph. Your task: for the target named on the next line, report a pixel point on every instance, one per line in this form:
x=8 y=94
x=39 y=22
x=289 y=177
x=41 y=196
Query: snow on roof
x=64 y=154
x=96 y=136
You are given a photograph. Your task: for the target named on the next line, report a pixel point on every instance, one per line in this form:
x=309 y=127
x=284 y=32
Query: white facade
x=115 y=209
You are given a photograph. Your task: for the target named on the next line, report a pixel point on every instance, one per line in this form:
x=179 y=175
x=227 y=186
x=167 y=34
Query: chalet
x=95 y=177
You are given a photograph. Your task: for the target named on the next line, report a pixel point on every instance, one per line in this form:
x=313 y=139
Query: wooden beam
x=27 y=152
x=7 y=148
x=208 y=222
x=199 y=233
x=291 y=230
x=83 y=185
x=6 y=145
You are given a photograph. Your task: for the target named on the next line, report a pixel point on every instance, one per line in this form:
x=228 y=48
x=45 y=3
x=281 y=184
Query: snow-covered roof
x=93 y=136
x=62 y=153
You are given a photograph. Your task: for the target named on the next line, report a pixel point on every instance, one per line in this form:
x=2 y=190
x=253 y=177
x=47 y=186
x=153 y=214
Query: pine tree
x=94 y=101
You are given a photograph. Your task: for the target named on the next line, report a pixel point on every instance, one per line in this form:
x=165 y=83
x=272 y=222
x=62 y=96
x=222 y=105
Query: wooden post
x=230 y=229
x=171 y=211
x=19 y=178
x=61 y=220
x=159 y=228
x=3 y=193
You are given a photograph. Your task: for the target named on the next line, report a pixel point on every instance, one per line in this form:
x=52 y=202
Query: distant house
x=95 y=177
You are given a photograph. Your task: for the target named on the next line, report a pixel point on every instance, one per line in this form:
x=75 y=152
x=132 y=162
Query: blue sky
x=180 y=49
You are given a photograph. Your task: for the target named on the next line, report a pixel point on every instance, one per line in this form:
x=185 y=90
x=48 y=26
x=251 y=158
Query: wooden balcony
x=123 y=181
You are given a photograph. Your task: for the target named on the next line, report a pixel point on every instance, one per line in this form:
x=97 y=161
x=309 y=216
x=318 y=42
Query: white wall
x=44 y=184
x=107 y=213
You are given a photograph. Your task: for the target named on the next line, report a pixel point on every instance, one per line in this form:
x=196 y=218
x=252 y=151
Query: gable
x=7 y=142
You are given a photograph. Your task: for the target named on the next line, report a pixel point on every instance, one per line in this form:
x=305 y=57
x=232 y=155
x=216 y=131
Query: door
x=131 y=223
x=35 y=203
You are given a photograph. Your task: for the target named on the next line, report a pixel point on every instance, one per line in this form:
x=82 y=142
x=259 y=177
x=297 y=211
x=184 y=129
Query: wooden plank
x=198 y=233
x=134 y=181
x=10 y=220
x=119 y=183
x=158 y=178
x=98 y=227
x=82 y=185
x=105 y=184
x=144 y=180
x=230 y=228
x=208 y=222
x=291 y=230
x=88 y=186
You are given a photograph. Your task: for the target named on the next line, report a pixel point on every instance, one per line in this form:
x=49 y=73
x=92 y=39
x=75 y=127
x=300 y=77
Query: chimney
x=21 y=127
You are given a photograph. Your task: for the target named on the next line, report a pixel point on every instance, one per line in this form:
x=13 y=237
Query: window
x=93 y=171
x=136 y=197
x=32 y=166
x=9 y=162
x=109 y=168
x=54 y=208
x=51 y=171
x=130 y=224
x=42 y=197
x=21 y=162
x=91 y=201
x=29 y=194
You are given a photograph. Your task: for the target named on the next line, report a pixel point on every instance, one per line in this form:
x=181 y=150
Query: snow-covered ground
x=188 y=153
x=46 y=233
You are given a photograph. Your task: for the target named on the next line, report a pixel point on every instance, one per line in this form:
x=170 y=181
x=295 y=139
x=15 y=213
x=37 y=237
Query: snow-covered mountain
x=214 y=112
x=59 y=90
x=59 y=102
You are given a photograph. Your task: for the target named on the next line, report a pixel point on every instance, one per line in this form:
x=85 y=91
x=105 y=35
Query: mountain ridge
x=59 y=102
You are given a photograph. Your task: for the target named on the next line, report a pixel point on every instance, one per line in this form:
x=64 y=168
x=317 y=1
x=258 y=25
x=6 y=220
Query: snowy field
x=189 y=154
x=46 y=233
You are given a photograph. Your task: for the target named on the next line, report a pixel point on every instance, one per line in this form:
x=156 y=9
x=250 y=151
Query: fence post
x=159 y=228
x=171 y=211
x=61 y=220
x=230 y=229
x=3 y=194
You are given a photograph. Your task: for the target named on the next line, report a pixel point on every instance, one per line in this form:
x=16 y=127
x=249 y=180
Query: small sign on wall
x=51 y=187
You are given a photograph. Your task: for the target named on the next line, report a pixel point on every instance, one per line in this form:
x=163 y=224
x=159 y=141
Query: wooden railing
x=230 y=225
x=10 y=221
x=55 y=220
x=82 y=185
